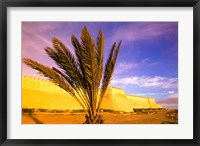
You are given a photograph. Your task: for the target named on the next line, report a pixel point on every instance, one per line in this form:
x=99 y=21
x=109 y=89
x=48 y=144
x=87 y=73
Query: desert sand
x=153 y=117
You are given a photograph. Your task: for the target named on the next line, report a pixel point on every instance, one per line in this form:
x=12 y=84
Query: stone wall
x=40 y=93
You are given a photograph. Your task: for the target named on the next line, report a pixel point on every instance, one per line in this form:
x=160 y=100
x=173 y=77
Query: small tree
x=82 y=74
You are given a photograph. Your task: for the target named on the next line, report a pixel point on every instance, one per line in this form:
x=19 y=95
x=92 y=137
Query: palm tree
x=82 y=75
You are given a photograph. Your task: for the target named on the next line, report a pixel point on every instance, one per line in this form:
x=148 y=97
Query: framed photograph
x=99 y=72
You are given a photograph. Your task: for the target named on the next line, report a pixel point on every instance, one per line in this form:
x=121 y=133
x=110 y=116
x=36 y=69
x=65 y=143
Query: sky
x=147 y=64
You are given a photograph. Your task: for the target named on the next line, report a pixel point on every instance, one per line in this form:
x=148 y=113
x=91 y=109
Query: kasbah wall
x=43 y=94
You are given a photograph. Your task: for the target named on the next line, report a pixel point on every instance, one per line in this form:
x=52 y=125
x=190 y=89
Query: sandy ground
x=160 y=117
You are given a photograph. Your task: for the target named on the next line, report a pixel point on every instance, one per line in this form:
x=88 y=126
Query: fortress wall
x=153 y=103
x=42 y=85
x=116 y=90
x=44 y=100
x=121 y=100
x=116 y=100
x=138 y=102
x=108 y=103
x=40 y=93
x=142 y=102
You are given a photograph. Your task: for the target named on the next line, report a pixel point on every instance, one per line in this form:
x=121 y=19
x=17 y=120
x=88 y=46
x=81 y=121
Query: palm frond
x=99 y=56
x=68 y=79
x=116 y=53
x=89 y=65
x=79 y=51
x=88 y=56
x=109 y=70
x=66 y=61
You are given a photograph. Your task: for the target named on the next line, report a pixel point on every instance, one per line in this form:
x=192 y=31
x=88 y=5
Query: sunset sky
x=147 y=64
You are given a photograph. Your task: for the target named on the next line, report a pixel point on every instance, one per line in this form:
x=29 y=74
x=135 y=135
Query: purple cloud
x=142 y=31
x=170 y=102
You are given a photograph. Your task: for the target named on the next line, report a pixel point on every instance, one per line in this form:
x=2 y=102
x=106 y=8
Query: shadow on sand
x=36 y=120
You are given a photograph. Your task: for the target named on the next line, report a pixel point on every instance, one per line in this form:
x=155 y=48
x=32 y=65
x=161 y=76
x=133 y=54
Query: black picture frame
x=4 y=4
